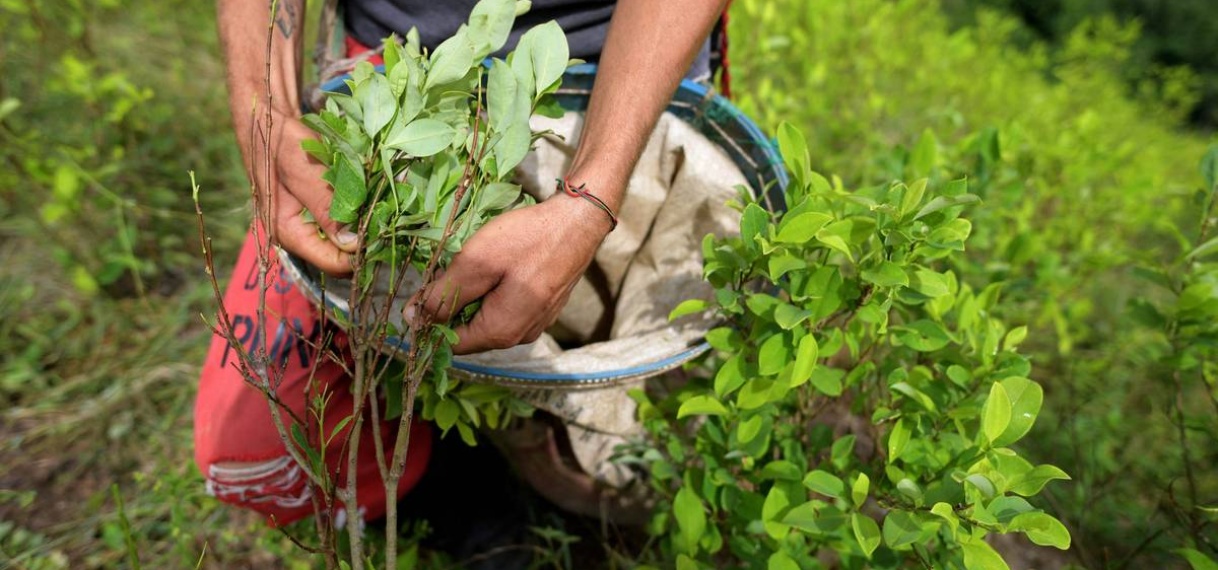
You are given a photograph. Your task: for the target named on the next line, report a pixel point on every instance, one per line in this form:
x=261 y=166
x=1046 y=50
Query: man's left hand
x=523 y=265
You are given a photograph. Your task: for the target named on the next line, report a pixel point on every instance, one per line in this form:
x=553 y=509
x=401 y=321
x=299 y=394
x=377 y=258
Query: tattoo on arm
x=285 y=17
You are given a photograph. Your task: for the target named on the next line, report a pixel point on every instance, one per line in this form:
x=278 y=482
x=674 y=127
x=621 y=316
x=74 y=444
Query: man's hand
x=296 y=185
x=523 y=265
x=293 y=183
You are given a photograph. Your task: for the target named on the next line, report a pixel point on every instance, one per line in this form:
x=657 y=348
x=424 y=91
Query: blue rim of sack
x=715 y=118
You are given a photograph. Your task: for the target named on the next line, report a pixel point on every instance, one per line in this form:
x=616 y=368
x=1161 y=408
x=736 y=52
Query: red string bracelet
x=582 y=192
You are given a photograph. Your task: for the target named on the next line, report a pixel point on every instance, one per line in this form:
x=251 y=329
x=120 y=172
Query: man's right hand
x=292 y=181
x=296 y=185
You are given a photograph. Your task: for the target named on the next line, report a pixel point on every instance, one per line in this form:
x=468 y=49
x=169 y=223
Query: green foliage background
x=1091 y=198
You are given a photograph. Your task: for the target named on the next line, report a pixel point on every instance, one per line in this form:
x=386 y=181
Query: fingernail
x=408 y=313
x=346 y=237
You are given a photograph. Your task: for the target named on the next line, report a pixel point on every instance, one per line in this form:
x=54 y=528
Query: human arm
x=524 y=263
x=295 y=181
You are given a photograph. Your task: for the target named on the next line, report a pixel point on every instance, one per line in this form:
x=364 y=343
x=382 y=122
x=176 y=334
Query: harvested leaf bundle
x=421 y=155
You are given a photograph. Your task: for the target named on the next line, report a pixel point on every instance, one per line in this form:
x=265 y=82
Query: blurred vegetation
x=1092 y=198
x=1077 y=146
x=1175 y=33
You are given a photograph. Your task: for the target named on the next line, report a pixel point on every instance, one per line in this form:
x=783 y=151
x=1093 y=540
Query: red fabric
x=355 y=48
x=233 y=425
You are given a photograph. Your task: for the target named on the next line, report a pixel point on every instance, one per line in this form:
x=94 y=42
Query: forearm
x=648 y=50
x=243 y=27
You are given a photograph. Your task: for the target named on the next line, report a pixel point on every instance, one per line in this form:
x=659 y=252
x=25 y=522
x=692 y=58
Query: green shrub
x=1085 y=191
x=858 y=314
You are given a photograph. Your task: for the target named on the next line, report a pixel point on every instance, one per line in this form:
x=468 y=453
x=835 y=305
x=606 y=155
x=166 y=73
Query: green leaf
x=1207 y=248
x=688 y=307
x=941 y=202
x=490 y=22
x=901 y=528
x=421 y=138
x=730 y=376
x=701 y=405
x=752 y=223
x=923 y=159
x=982 y=484
x=945 y=512
x=866 y=532
x=783 y=263
x=762 y=305
x=842 y=451
x=825 y=483
x=981 y=556
x=546 y=47
x=691 y=518
x=773 y=355
x=467 y=434
x=1196 y=559
x=794 y=150
x=789 y=316
x=377 y=102
x=930 y=283
x=781 y=469
x=775 y=506
x=756 y=393
x=806 y=355
x=801 y=228
x=804 y=517
x=1035 y=479
x=749 y=429
x=1014 y=337
x=501 y=101
x=886 y=274
x=447 y=412
x=1042 y=529
x=350 y=191
x=686 y=563
x=513 y=145
x=914 y=394
x=451 y=60
x=997 y=413
x=913 y=195
x=1008 y=507
x=549 y=106
x=898 y=438
x=781 y=561
x=923 y=335
x=1026 y=398
x=835 y=236
x=907 y=487
x=828 y=380
x=497 y=196
x=858 y=492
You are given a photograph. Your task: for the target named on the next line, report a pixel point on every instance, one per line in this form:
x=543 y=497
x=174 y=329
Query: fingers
x=296 y=235
x=491 y=329
x=510 y=315
x=467 y=279
x=302 y=176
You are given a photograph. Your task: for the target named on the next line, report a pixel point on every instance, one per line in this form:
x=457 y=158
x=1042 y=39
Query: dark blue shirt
x=584 y=21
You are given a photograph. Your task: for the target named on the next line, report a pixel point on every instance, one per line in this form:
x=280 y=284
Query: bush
x=860 y=317
x=1085 y=193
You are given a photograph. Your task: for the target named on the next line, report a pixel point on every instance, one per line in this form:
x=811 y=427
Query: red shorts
x=237 y=446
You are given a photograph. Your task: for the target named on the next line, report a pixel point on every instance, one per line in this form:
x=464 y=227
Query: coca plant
x=419 y=156
x=864 y=403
